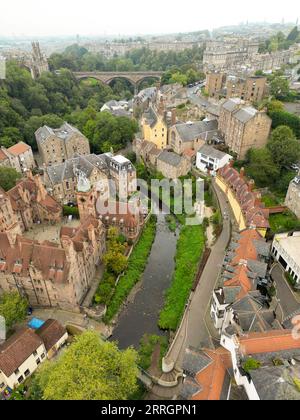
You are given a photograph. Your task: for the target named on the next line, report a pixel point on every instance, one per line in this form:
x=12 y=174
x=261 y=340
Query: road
x=196 y=99
x=288 y=301
x=193 y=331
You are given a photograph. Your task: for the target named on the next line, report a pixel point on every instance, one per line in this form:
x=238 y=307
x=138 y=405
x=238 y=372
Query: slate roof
x=245 y=114
x=276 y=383
x=67 y=170
x=232 y=104
x=189 y=132
x=65 y=132
x=170 y=158
x=195 y=361
x=212 y=152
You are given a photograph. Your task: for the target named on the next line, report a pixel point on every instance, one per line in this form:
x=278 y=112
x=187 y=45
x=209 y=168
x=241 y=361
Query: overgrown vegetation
x=8 y=178
x=147 y=347
x=251 y=364
x=71 y=211
x=136 y=265
x=190 y=247
x=26 y=105
x=284 y=222
x=13 y=308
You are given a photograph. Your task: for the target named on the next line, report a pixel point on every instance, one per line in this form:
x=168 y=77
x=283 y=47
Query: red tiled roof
x=254 y=211
x=50 y=333
x=268 y=342
x=19 y=148
x=211 y=379
x=17 y=349
x=2 y=155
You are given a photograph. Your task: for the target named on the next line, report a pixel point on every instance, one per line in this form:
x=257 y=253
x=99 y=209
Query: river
x=140 y=317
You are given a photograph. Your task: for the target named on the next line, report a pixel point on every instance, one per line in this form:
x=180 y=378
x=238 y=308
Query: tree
x=8 y=178
x=13 y=308
x=280 y=118
x=280 y=88
x=284 y=147
x=114 y=258
x=275 y=106
x=261 y=167
x=90 y=370
x=179 y=78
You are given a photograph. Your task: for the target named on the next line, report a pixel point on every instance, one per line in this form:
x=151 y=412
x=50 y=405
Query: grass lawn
x=190 y=247
x=284 y=222
x=136 y=266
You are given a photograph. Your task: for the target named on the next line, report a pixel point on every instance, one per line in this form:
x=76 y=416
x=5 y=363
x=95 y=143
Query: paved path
x=66 y=318
x=288 y=300
x=193 y=331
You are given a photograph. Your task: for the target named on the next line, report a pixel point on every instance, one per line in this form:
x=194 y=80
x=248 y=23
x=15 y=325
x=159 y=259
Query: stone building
x=292 y=200
x=191 y=135
x=39 y=63
x=172 y=166
x=25 y=204
x=122 y=172
x=49 y=275
x=18 y=157
x=106 y=171
x=155 y=126
x=58 y=145
x=215 y=82
x=127 y=218
x=62 y=180
x=243 y=127
x=252 y=89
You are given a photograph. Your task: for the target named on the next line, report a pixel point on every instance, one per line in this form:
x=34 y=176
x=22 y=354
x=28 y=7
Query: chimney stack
x=242 y=173
x=174 y=117
x=251 y=185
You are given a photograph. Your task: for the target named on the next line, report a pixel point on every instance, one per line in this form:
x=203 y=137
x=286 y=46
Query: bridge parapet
x=106 y=77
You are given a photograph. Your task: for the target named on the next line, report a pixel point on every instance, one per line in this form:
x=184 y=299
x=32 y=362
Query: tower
x=39 y=62
x=86 y=197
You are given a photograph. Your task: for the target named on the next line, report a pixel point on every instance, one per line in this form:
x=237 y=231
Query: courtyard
x=48 y=232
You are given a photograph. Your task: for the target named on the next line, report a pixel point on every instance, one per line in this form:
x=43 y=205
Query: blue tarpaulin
x=35 y=323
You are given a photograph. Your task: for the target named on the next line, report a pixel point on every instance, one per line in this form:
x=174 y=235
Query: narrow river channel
x=141 y=316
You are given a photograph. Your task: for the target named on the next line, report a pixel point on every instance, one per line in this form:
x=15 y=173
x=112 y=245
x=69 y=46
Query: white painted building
x=211 y=159
x=286 y=250
x=25 y=351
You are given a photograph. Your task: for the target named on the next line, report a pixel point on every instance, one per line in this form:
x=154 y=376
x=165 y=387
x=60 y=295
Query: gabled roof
x=170 y=158
x=19 y=148
x=191 y=131
x=17 y=349
x=51 y=332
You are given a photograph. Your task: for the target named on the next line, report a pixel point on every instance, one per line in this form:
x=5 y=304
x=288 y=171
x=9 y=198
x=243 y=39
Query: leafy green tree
x=8 y=178
x=114 y=259
x=280 y=88
x=294 y=35
x=284 y=147
x=261 y=167
x=280 y=118
x=90 y=370
x=13 y=308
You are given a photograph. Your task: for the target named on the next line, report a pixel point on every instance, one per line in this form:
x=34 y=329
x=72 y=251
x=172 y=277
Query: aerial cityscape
x=149 y=204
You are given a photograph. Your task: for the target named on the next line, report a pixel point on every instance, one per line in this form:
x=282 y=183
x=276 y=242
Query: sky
x=127 y=17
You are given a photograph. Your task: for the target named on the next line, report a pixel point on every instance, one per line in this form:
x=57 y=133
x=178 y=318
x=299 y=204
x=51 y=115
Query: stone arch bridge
x=135 y=78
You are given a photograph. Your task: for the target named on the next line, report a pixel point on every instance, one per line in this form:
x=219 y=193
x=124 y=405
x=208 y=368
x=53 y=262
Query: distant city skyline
x=134 y=17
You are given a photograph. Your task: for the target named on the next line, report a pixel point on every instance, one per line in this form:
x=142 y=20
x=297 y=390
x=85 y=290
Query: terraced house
x=246 y=204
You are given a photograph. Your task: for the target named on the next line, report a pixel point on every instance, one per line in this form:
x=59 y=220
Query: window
x=16 y=372
x=38 y=361
x=27 y=373
x=21 y=379
x=35 y=353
